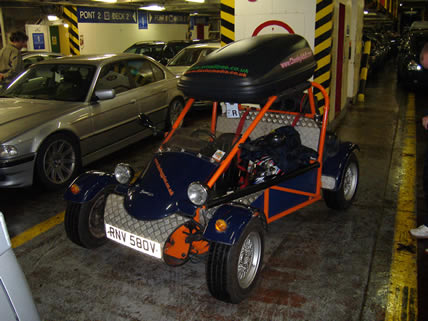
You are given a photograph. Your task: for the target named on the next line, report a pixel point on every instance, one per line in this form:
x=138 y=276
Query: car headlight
x=123 y=173
x=414 y=66
x=8 y=151
x=197 y=193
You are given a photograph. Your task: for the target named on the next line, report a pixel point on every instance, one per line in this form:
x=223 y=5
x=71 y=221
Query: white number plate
x=133 y=241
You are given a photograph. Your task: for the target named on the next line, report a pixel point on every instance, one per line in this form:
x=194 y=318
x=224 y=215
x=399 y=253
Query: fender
x=334 y=166
x=236 y=217
x=90 y=184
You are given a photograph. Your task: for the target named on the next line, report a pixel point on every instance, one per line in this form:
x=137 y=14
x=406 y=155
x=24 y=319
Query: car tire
x=84 y=223
x=57 y=162
x=174 y=109
x=232 y=271
x=342 y=198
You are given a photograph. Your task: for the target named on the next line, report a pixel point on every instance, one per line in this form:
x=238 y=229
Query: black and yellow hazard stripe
x=323 y=45
x=227 y=15
x=70 y=17
x=364 y=70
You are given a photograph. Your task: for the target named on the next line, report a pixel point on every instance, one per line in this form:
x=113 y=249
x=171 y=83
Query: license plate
x=133 y=241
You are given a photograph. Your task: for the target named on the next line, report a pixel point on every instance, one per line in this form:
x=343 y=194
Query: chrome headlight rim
x=197 y=193
x=123 y=173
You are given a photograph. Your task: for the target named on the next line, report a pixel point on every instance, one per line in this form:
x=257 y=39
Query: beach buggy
x=213 y=191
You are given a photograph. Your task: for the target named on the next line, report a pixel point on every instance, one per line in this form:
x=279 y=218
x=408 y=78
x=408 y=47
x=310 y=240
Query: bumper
x=17 y=172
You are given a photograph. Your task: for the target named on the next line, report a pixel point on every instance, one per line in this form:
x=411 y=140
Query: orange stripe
x=293 y=209
x=294 y=191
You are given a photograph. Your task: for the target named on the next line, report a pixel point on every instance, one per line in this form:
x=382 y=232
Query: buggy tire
x=342 y=198
x=232 y=271
x=174 y=110
x=84 y=223
x=57 y=161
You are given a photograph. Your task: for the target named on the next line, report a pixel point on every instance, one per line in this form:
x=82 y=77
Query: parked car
x=190 y=55
x=214 y=191
x=16 y=301
x=32 y=57
x=161 y=51
x=62 y=114
x=410 y=71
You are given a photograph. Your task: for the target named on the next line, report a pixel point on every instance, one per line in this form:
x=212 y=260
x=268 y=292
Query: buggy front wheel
x=342 y=198
x=232 y=271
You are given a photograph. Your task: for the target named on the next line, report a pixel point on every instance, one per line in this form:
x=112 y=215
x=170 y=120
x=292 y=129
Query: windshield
x=189 y=56
x=154 y=51
x=53 y=82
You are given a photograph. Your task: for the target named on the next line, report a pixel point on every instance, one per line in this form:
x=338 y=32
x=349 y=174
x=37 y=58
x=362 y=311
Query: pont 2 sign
x=105 y=15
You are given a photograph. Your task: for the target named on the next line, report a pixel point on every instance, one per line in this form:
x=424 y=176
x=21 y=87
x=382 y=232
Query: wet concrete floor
x=319 y=264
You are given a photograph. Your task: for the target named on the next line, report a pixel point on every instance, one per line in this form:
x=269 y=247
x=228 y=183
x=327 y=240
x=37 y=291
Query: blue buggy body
x=214 y=191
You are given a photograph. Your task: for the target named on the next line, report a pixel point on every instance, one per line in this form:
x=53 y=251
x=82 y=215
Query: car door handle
x=133 y=101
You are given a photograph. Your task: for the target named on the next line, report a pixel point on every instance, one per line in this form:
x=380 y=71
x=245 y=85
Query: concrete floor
x=319 y=264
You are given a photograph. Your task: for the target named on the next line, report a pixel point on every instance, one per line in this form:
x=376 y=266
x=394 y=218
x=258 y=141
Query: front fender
x=236 y=218
x=334 y=166
x=90 y=184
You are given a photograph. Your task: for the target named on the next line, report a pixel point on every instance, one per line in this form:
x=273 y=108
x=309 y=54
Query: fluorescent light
x=52 y=18
x=366 y=12
x=153 y=7
x=66 y=25
x=199 y=1
x=108 y=1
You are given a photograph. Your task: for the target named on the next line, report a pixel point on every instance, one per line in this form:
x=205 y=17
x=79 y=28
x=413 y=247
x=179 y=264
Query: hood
x=162 y=190
x=178 y=70
x=20 y=115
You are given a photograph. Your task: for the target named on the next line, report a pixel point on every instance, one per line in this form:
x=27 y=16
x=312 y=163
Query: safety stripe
x=323 y=45
x=402 y=294
x=227 y=15
x=364 y=71
x=70 y=17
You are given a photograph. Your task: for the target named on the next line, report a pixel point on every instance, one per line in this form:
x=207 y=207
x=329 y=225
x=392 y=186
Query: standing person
x=10 y=57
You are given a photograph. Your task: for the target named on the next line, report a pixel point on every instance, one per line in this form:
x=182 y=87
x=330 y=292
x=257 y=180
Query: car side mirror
x=105 y=94
x=146 y=122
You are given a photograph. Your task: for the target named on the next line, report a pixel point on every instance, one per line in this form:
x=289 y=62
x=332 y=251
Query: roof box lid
x=250 y=69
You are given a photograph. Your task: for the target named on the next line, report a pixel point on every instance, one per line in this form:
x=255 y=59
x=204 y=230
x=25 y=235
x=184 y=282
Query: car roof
x=96 y=60
x=419 y=25
x=214 y=45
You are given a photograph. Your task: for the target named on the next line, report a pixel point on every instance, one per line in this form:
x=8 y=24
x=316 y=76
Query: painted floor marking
x=36 y=230
x=402 y=296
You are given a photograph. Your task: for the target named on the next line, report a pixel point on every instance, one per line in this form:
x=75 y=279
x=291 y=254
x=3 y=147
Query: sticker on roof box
x=219 y=69
x=298 y=57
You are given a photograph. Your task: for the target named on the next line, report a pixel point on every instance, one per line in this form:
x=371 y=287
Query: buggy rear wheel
x=343 y=197
x=232 y=271
x=84 y=223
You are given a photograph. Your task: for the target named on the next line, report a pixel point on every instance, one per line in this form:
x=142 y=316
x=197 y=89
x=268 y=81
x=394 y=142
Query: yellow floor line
x=36 y=230
x=402 y=296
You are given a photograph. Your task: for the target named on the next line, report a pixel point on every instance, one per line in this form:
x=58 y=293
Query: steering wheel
x=203 y=132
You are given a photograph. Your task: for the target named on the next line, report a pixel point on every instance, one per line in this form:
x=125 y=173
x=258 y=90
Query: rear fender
x=334 y=166
x=236 y=217
x=90 y=184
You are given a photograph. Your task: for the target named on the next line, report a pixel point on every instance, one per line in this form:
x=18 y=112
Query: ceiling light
x=52 y=18
x=66 y=25
x=365 y=12
x=199 y=1
x=153 y=7
x=108 y=1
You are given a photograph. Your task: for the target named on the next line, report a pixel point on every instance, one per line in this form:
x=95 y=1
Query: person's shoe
x=420 y=232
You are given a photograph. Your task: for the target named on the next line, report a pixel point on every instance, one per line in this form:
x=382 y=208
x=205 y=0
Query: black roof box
x=250 y=70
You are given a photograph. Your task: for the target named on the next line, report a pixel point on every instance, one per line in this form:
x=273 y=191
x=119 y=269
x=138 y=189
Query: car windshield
x=66 y=82
x=154 y=51
x=189 y=56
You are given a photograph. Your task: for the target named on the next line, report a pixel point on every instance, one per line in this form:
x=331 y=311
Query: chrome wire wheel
x=59 y=161
x=350 y=181
x=249 y=259
x=96 y=218
x=175 y=109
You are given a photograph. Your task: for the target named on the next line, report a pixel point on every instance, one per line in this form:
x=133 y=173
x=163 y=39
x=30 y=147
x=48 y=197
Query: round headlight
x=123 y=173
x=197 y=193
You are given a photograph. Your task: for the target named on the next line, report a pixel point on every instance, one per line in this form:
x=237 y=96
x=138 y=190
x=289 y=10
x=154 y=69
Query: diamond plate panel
x=115 y=214
x=308 y=129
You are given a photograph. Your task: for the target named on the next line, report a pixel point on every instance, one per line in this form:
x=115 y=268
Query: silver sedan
x=62 y=114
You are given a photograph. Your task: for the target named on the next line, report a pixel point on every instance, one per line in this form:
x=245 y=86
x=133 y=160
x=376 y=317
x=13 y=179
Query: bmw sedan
x=64 y=113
